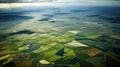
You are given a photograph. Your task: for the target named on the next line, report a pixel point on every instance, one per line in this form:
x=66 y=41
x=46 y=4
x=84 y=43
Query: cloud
x=4 y=3
x=85 y=0
x=67 y=1
x=23 y=1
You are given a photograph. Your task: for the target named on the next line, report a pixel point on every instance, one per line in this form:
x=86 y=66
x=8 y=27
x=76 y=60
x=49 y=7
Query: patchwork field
x=71 y=36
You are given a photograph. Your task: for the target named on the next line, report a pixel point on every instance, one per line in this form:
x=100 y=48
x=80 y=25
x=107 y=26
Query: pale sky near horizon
x=14 y=3
x=1 y=1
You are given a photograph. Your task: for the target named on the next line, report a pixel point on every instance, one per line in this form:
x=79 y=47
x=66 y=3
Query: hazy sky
x=83 y=0
x=56 y=0
x=22 y=3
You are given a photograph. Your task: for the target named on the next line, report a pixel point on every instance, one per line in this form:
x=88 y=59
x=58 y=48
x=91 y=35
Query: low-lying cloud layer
x=22 y=3
x=25 y=1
